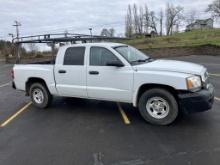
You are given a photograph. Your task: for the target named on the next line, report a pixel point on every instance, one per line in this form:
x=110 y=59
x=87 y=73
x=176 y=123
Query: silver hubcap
x=38 y=96
x=157 y=107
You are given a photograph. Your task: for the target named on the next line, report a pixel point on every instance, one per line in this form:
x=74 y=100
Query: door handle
x=93 y=72
x=62 y=71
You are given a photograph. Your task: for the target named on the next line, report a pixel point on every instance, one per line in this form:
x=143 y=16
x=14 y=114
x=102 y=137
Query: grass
x=186 y=39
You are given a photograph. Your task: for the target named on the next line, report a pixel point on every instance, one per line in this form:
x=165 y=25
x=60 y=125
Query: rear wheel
x=158 y=106
x=40 y=95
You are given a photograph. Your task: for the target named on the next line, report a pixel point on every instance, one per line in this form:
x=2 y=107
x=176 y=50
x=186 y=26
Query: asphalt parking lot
x=88 y=132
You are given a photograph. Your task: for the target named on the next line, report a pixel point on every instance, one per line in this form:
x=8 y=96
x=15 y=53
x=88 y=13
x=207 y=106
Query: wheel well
x=146 y=87
x=33 y=80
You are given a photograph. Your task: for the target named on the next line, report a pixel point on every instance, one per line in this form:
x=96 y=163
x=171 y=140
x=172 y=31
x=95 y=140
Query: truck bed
x=43 y=70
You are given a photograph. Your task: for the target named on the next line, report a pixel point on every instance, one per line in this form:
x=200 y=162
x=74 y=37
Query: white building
x=200 y=24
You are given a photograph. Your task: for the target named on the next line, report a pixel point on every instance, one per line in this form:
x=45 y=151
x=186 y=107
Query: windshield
x=132 y=55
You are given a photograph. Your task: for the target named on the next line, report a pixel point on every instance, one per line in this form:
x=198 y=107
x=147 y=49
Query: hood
x=172 y=66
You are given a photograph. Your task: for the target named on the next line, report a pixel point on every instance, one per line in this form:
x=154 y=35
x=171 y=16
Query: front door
x=108 y=82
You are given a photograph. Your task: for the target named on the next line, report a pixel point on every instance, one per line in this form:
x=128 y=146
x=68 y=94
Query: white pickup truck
x=117 y=72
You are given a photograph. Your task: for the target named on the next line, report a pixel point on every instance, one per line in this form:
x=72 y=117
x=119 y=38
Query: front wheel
x=158 y=106
x=40 y=95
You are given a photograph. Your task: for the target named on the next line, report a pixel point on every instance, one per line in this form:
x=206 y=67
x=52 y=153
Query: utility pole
x=18 y=57
x=12 y=41
x=17 y=24
x=90 y=29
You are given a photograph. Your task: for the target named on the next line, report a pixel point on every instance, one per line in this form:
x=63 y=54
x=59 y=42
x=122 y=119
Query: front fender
x=174 y=80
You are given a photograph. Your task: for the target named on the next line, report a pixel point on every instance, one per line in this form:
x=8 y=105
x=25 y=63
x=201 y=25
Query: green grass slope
x=186 y=39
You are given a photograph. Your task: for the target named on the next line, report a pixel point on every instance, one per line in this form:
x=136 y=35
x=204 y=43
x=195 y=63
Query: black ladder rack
x=64 y=37
x=59 y=38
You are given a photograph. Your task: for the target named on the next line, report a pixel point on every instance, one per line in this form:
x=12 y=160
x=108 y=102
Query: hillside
x=186 y=39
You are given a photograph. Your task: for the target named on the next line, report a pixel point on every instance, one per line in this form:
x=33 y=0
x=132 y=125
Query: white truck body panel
x=73 y=82
x=111 y=84
x=24 y=72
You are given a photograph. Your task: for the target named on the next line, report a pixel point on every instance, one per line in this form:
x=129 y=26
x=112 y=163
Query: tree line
x=8 y=48
x=141 y=20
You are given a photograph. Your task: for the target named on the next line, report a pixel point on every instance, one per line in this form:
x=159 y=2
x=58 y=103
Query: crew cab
x=161 y=89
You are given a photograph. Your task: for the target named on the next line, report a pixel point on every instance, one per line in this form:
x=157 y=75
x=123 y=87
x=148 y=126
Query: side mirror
x=115 y=63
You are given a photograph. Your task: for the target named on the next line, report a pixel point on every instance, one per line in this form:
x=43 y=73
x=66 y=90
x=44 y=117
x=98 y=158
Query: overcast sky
x=49 y=16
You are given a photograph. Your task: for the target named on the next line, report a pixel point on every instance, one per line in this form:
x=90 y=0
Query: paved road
x=78 y=131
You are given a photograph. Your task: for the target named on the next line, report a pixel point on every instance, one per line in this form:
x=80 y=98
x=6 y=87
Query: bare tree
x=136 y=18
x=141 y=20
x=177 y=26
x=153 y=21
x=191 y=17
x=105 y=32
x=128 y=23
x=112 y=32
x=146 y=19
x=161 y=16
x=174 y=17
x=214 y=8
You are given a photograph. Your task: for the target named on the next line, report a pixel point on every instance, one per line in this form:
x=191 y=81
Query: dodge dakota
x=160 y=89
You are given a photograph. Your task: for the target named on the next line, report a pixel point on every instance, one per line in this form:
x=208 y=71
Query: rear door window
x=74 y=56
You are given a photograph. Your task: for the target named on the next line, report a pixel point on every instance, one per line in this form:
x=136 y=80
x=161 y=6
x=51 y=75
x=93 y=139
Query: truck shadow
x=108 y=109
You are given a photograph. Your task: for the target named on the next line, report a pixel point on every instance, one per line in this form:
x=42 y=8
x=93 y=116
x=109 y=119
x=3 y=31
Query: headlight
x=194 y=83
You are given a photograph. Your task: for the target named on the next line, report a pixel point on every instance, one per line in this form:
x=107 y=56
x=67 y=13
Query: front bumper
x=197 y=101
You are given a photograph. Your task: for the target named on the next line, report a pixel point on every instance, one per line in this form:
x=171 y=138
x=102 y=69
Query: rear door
x=70 y=73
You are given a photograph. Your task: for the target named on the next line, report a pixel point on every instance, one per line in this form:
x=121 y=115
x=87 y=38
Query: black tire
x=171 y=114
x=47 y=97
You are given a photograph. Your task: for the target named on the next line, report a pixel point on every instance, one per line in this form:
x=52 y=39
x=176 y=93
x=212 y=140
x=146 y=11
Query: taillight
x=12 y=74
